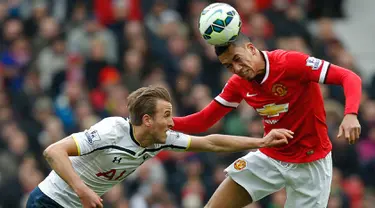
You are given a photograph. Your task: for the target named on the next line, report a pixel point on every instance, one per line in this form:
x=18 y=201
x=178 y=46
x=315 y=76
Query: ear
x=251 y=48
x=147 y=120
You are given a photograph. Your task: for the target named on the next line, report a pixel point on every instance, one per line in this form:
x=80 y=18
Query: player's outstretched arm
x=57 y=155
x=199 y=122
x=226 y=143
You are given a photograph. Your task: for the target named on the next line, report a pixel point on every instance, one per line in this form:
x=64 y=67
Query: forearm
x=351 y=83
x=226 y=143
x=61 y=164
x=200 y=121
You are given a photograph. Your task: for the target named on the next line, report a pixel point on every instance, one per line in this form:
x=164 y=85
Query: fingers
x=281 y=135
x=99 y=204
x=351 y=134
x=339 y=135
x=279 y=142
x=357 y=132
x=285 y=132
x=279 y=139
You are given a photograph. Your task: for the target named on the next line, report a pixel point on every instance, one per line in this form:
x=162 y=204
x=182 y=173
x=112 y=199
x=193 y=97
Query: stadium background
x=65 y=64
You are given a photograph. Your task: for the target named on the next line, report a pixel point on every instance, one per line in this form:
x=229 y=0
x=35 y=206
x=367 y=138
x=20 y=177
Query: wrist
x=351 y=114
x=79 y=188
x=260 y=143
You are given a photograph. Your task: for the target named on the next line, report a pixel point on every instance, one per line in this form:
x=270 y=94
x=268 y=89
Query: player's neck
x=142 y=137
x=260 y=67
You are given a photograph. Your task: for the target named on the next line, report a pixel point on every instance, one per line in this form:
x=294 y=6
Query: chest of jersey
x=272 y=100
x=114 y=164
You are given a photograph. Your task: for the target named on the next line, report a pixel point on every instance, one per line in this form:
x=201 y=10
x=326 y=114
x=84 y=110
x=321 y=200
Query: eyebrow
x=235 y=56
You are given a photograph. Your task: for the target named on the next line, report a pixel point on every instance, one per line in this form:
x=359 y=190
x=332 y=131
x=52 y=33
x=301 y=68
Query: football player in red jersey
x=283 y=87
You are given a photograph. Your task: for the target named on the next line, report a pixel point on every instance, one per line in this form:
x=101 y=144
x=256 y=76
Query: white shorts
x=307 y=184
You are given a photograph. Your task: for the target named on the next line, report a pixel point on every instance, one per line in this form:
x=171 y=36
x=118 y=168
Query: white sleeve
x=99 y=136
x=177 y=141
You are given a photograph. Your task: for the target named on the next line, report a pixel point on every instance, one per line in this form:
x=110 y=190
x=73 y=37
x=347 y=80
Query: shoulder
x=235 y=80
x=112 y=125
x=115 y=121
x=277 y=55
x=283 y=55
x=282 y=58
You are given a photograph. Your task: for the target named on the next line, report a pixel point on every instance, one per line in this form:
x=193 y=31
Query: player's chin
x=163 y=138
x=249 y=77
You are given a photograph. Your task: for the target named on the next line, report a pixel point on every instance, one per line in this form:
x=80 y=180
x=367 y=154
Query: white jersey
x=108 y=154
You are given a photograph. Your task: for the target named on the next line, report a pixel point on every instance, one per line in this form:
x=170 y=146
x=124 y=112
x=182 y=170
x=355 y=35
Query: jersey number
x=110 y=174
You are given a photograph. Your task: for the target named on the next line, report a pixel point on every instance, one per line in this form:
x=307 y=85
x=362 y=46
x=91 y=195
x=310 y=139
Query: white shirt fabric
x=108 y=154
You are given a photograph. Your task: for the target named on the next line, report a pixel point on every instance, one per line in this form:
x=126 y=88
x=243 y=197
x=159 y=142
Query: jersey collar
x=265 y=56
x=132 y=135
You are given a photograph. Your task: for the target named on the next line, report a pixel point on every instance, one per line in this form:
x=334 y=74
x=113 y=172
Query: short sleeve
x=100 y=135
x=177 y=141
x=305 y=68
x=230 y=95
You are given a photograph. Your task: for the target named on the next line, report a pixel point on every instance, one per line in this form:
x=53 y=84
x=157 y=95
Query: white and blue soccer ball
x=219 y=24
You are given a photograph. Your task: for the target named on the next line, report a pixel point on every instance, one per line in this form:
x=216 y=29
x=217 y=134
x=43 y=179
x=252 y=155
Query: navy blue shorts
x=38 y=199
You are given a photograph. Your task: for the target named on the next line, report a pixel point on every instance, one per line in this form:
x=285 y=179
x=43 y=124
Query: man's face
x=240 y=60
x=162 y=121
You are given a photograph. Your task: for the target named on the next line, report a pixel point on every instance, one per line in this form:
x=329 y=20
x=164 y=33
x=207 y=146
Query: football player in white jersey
x=87 y=164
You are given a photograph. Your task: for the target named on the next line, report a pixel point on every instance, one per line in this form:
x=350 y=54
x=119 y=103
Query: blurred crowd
x=66 y=64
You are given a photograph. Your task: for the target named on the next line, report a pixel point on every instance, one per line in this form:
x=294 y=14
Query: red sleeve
x=199 y=122
x=135 y=10
x=305 y=68
x=202 y=120
x=351 y=83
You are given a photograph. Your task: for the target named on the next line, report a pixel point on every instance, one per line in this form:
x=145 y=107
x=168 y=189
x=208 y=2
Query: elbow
x=355 y=77
x=359 y=79
x=49 y=151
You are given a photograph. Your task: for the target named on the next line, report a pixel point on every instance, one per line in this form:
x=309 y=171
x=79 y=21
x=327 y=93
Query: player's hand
x=350 y=128
x=89 y=198
x=277 y=137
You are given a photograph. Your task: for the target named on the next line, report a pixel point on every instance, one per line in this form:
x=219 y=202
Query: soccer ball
x=219 y=24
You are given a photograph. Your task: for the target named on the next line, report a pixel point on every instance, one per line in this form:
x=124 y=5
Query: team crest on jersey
x=279 y=90
x=239 y=164
x=92 y=136
x=314 y=63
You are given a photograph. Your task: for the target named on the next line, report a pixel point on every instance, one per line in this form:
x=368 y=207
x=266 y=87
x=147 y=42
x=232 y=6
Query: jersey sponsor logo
x=314 y=63
x=279 y=90
x=239 y=164
x=271 y=121
x=273 y=110
x=92 y=136
x=113 y=174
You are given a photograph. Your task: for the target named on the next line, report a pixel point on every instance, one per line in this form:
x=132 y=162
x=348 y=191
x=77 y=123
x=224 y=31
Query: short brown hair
x=143 y=101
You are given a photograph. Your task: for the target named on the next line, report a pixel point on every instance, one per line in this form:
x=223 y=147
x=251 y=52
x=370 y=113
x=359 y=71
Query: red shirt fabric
x=288 y=97
x=105 y=14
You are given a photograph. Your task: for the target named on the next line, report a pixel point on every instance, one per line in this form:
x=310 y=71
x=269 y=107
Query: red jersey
x=288 y=97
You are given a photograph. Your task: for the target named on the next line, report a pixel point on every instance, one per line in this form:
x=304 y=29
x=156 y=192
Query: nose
x=237 y=68
x=170 y=123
